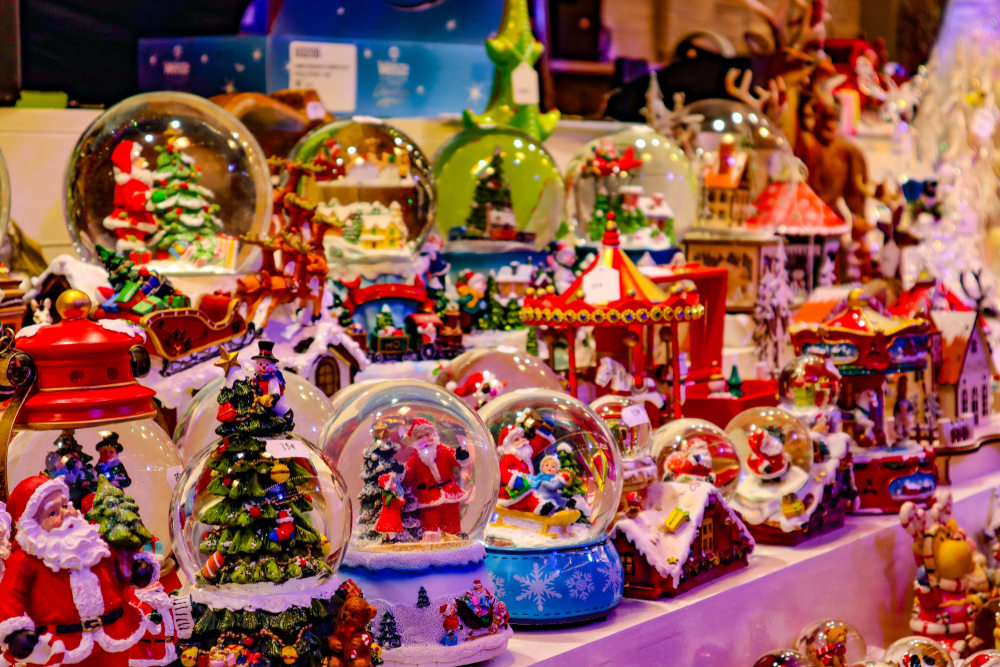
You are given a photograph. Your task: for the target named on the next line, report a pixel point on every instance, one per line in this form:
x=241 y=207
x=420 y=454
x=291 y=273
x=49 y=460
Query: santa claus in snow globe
x=561 y=482
x=423 y=473
x=694 y=450
x=63 y=598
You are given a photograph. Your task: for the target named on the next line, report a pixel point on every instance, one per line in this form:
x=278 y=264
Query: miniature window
x=707 y=537
x=326 y=376
x=986 y=402
x=974 y=348
x=627 y=563
x=965 y=401
x=975 y=400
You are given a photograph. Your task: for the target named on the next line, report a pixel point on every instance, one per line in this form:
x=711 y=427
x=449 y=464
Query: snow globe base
x=559 y=585
x=887 y=477
x=430 y=605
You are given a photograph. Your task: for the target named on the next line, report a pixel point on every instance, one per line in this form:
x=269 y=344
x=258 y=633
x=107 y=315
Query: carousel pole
x=676 y=366
x=571 y=359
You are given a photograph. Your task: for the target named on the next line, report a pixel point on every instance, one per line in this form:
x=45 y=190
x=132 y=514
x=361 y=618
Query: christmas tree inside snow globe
x=422 y=471
x=561 y=481
x=261 y=521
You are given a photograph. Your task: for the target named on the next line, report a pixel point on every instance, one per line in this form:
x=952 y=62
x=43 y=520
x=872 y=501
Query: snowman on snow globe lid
x=423 y=474
x=561 y=482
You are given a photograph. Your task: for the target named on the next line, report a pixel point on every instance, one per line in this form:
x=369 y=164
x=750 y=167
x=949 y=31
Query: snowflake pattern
x=612 y=577
x=580 y=585
x=537 y=586
x=499 y=584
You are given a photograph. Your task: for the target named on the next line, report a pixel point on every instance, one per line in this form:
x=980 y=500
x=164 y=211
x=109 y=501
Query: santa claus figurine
x=430 y=476
x=132 y=220
x=64 y=596
x=157 y=647
x=693 y=461
x=767 y=459
x=4 y=536
x=478 y=390
x=517 y=490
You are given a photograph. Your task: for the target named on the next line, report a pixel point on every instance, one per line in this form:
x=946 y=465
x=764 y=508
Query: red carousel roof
x=612 y=292
x=924 y=297
x=794 y=208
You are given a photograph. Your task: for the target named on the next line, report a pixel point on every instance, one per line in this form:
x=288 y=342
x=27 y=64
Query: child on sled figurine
x=270 y=381
x=549 y=482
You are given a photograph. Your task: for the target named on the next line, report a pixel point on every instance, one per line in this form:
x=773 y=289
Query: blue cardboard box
x=204 y=65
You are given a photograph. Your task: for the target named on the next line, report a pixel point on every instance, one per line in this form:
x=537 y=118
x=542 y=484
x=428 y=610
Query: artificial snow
x=79 y=274
x=638 y=471
x=524 y=533
x=517 y=339
x=272 y=598
x=760 y=503
x=123 y=327
x=415 y=561
x=668 y=552
x=407 y=270
x=401 y=370
x=30 y=330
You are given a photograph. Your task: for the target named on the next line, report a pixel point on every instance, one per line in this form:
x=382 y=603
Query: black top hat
x=109 y=439
x=266 y=348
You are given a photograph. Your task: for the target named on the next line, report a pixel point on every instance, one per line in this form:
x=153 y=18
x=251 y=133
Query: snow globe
x=423 y=476
x=171 y=180
x=830 y=637
x=987 y=658
x=481 y=374
x=777 y=495
x=693 y=450
x=783 y=658
x=81 y=414
x=561 y=480
x=261 y=521
x=196 y=428
x=498 y=190
x=921 y=651
x=366 y=185
x=640 y=176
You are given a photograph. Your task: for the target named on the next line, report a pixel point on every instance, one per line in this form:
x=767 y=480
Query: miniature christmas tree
x=567 y=461
x=354 y=228
x=599 y=218
x=514 y=52
x=379 y=459
x=772 y=312
x=117 y=517
x=384 y=320
x=422 y=599
x=735 y=383
x=493 y=190
x=388 y=635
x=70 y=462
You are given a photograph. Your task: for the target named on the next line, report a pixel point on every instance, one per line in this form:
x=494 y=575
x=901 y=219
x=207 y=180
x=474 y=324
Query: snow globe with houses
x=561 y=481
x=172 y=181
x=423 y=475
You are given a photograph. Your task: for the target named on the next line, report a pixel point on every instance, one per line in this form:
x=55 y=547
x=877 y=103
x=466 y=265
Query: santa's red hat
x=469 y=387
x=28 y=495
x=418 y=422
x=510 y=432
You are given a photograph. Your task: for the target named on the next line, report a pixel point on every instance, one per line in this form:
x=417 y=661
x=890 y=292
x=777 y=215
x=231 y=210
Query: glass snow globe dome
x=480 y=374
x=498 y=190
x=628 y=422
x=174 y=179
x=783 y=657
x=560 y=471
x=696 y=450
x=196 y=427
x=261 y=511
x=809 y=381
x=642 y=177
x=831 y=635
x=419 y=464
x=775 y=450
x=922 y=651
x=372 y=187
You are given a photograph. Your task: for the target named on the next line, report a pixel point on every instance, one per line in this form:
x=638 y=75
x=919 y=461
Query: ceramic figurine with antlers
x=951 y=585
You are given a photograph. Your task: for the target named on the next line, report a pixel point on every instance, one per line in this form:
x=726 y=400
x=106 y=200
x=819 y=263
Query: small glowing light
x=737 y=117
x=351 y=150
x=149 y=138
x=764 y=132
x=718 y=125
x=656 y=142
x=531 y=147
x=753 y=117
x=399 y=142
x=640 y=143
x=518 y=143
x=175 y=124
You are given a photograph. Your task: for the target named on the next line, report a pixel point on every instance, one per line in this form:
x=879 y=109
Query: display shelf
x=861 y=573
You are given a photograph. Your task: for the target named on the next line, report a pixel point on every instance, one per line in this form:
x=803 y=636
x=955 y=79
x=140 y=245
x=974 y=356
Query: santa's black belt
x=432 y=487
x=87 y=625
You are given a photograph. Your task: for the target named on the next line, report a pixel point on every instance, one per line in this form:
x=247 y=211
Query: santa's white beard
x=144 y=176
x=428 y=453
x=74 y=545
x=523 y=452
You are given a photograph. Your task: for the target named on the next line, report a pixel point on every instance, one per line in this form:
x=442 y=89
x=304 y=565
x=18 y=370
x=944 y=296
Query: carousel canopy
x=793 y=208
x=612 y=292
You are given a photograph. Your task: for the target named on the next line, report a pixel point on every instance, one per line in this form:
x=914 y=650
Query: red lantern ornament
x=227 y=480
x=254 y=512
x=227 y=413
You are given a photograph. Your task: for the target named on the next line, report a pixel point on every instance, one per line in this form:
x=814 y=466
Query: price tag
x=601 y=285
x=524 y=81
x=173 y=475
x=287 y=449
x=635 y=415
x=983 y=124
x=315 y=110
x=329 y=69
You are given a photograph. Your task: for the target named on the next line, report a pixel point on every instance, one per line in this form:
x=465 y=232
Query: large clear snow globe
x=987 y=658
x=809 y=381
x=642 y=177
x=498 y=190
x=776 y=452
x=481 y=374
x=730 y=145
x=137 y=457
x=687 y=450
x=628 y=422
x=560 y=470
x=371 y=185
x=783 y=658
x=196 y=427
x=831 y=637
x=170 y=179
x=419 y=464
x=261 y=510
x=922 y=651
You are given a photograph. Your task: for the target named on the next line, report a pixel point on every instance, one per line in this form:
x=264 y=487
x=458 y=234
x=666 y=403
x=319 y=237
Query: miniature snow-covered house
x=686 y=537
x=383 y=228
x=726 y=188
x=658 y=212
x=513 y=281
x=501 y=223
x=965 y=375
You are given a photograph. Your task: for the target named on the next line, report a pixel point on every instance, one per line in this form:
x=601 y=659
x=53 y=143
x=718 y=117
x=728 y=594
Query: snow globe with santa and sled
x=170 y=180
x=261 y=522
x=423 y=476
x=561 y=481
x=640 y=179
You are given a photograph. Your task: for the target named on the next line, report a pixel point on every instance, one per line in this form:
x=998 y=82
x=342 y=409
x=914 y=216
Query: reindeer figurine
x=951 y=584
x=310 y=273
x=269 y=281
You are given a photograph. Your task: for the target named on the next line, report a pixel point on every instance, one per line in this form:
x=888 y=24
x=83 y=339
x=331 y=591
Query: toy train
x=424 y=337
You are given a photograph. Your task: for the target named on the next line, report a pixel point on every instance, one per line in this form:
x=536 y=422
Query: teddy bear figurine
x=350 y=641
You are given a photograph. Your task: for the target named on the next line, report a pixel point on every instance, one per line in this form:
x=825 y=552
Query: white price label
x=983 y=124
x=174 y=475
x=287 y=449
x=329 y=69
x=635 y=415
x=601 y=285
x=524 y=81
x=315 y=110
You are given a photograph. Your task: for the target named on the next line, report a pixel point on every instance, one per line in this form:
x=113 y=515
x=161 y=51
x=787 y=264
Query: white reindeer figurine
x=611 y=371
